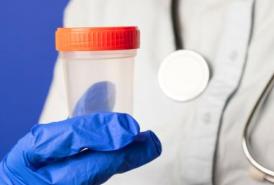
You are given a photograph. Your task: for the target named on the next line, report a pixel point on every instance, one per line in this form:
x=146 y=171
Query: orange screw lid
x=97 y=38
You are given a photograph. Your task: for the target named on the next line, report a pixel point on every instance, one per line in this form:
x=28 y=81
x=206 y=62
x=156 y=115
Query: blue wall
x=27 y=57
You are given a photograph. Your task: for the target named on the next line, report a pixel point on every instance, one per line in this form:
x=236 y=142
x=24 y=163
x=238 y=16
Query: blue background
x=27 y=58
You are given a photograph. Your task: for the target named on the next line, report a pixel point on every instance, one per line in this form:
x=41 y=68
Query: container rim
x=108 y=54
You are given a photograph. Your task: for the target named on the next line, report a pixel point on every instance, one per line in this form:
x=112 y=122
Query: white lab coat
x=237 y=40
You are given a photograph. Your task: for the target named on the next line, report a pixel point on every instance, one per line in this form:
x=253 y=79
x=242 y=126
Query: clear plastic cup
x=99 y=67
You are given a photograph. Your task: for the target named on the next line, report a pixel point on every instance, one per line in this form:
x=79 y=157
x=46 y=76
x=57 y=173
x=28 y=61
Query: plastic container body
x=98 y=64
x=99 y=81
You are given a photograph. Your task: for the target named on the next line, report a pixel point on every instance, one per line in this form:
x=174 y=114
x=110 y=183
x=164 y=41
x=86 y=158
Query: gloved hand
x=84 y=150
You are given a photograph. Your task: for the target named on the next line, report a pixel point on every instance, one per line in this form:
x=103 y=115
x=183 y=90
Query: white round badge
x=183 y=75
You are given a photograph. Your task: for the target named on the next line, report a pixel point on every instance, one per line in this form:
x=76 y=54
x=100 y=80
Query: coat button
x=207 y=118
x=233 y=55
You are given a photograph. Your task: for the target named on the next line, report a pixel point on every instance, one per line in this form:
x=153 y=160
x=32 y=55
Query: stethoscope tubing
x=268 y=174
x=176 y=24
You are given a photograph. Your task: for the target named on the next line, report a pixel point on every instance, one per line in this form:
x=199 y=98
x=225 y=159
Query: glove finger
x=100 y=97
x=97 y=132
x=95 y=168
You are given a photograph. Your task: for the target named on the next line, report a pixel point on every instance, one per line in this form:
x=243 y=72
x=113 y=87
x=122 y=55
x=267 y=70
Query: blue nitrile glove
x=84 y=150
x=100 y=97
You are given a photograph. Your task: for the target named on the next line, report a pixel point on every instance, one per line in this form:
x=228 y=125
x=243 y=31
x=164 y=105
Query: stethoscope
x=184 y=75
x=258 y=171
